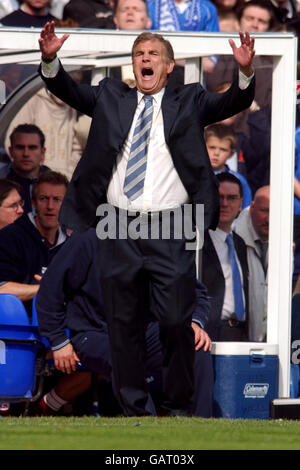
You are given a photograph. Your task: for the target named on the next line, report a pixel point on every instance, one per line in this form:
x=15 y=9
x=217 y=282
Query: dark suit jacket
x=213 y=279
x=112 y=104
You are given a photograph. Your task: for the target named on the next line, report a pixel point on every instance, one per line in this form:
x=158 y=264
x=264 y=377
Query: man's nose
x=50 y=204
x=254 y=25
x=26 y=152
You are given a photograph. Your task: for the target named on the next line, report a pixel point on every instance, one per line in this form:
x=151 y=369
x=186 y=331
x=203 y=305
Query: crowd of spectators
x=48 y=137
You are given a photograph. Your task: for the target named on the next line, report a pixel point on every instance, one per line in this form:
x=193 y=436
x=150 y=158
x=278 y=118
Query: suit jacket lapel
x=127 y=107
x=215 y=267
x=128 y=104
x=212 y=254
x=241 y=253
x=242 y=256
x=170 y=110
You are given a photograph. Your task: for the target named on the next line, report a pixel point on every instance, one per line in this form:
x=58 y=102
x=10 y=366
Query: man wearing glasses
x=225 y=271
x=11 y=202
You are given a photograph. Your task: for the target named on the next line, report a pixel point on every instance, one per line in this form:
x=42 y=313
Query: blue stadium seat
x=19 y=343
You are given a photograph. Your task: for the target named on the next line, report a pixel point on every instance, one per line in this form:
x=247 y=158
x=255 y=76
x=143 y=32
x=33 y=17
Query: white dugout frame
x=20 y=45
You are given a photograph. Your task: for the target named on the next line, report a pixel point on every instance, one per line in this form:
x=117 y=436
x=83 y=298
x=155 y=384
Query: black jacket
x=90 y=13
x=23 y=252
x=20 y=18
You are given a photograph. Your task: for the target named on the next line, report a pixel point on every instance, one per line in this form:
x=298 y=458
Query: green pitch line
x=89 y=433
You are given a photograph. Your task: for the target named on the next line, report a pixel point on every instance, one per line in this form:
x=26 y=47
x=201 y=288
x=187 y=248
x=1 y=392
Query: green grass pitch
x=89 y=433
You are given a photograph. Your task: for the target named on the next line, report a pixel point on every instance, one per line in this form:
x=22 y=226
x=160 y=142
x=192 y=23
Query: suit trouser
x=93 y=349
x=170 y=272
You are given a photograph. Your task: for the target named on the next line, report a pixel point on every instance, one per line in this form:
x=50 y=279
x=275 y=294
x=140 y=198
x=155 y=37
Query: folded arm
x=24 y=292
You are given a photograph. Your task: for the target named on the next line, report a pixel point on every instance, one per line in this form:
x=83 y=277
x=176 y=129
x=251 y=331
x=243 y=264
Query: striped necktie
x=137 y=161
x=236 y=280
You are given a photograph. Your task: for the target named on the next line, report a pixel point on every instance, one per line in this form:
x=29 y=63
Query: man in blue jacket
x=69 y=297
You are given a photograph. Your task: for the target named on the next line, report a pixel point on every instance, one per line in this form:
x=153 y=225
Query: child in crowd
x=221 y=145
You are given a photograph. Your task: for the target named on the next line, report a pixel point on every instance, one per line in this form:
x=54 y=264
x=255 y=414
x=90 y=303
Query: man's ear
x=43 y=156
x=171 y=66
x=10 y=153
x=241 y=206
x=115 y=21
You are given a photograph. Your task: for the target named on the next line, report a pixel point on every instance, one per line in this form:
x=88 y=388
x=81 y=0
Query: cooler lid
x=243 y=348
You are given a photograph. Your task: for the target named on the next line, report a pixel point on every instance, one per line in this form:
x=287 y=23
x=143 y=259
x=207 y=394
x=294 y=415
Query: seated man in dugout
x=29 y=243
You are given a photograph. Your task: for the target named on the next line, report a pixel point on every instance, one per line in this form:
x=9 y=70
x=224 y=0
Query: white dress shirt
x=219 y=241
x=163 y=188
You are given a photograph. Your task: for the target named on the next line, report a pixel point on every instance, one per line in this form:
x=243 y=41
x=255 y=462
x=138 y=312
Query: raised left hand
x=245 y=53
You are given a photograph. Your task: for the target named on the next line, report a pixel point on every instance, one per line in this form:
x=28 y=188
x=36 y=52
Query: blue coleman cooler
x=246 y=379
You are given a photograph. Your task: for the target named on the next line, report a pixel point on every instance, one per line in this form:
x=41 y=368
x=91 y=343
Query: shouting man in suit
x=225 y=268
x=146 y=157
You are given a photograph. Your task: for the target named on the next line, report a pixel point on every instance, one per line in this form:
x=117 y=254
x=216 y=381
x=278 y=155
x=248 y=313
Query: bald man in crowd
x=253 y=226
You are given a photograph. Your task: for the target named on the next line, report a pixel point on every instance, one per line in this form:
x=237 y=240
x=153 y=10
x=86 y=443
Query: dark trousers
x=232 y=333
x=93 y=349
x=168 y=269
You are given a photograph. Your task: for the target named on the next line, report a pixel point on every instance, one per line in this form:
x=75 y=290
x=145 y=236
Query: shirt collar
x=221 y=235
x=62 y=236
x=157 y=97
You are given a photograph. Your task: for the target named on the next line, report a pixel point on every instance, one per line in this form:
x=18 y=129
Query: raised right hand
x=49 y=42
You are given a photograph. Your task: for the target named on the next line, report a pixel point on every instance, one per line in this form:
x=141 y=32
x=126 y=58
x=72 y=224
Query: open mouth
x=147 y=72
